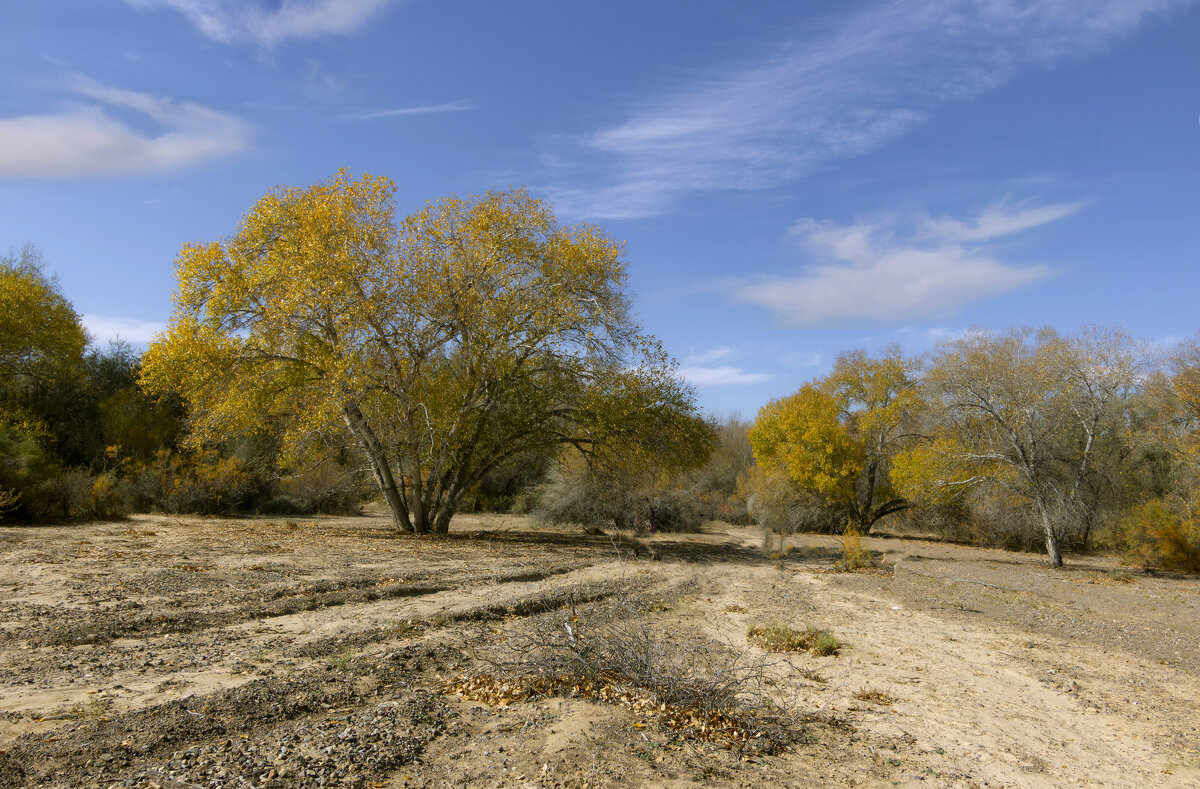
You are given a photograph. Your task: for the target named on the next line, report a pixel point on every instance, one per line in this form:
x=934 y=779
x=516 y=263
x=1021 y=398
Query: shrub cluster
x=1157 y=535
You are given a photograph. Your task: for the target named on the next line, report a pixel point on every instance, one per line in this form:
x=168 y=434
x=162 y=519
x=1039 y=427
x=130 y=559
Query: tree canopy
x=441 y=345
x=41 y=337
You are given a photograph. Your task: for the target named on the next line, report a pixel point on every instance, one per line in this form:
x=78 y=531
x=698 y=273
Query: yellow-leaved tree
x=42 y=341
x=835 y=437
x=440 y=346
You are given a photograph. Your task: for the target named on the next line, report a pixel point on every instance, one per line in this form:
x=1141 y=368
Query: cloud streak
x=721 y=376
x=252 y=21
x=431 y=109
x=873 y=77
x=899 y=268
x=88 y=140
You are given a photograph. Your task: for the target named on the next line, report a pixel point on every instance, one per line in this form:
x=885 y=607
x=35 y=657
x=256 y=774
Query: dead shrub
x=610 y=651
x=327 y=487
x=874 y=697
x=572 y=494
x=77 y=494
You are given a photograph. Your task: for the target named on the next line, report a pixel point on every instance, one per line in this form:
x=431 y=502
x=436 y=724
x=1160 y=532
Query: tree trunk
x=1051 y=539
x=865 y=521
x=380 y=468
x=441 y=524
x=446 y=509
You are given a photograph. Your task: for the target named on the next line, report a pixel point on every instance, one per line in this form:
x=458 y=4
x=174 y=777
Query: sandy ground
x=267 y=652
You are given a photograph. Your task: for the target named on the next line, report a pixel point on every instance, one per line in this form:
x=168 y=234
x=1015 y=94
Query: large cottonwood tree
x=442 y=345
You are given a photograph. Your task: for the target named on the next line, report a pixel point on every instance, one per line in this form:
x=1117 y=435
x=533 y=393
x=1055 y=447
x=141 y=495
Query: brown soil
x=185 y=652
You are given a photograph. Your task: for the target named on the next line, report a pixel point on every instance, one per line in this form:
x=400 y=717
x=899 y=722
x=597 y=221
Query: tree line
x=479 y=354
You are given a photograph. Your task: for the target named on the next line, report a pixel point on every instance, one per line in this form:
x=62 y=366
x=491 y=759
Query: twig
x=979 y=583
x=830 y=699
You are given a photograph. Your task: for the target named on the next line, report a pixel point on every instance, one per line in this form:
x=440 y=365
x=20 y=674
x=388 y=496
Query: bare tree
x=1029 y=412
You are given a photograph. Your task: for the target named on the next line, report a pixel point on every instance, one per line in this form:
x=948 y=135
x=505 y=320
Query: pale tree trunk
x=1051 y=539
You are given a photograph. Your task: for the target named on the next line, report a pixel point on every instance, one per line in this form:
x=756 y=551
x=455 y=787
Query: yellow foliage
x=803 y=437
x=1156 y=536
x=8 y=500
x=40 y=333
x=877 y=395
x=940 y=471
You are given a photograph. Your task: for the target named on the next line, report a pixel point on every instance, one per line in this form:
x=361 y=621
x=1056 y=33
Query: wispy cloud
x=996 y=221
x=865 y=81
x=268 y=24
x=104 y=328
x=721 y=376
x=370 y=115
x=87 y=139
x=899 y=267
x=708 y=356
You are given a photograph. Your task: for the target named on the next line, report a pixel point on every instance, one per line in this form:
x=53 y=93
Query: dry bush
x=614 y=640
x=874 y=696
x=779 y=507
x=203 y=483
x=327 y=487
x=854 y=556
x=610 y=651
x=76 y=494
x=573 y=494
x=716 y=485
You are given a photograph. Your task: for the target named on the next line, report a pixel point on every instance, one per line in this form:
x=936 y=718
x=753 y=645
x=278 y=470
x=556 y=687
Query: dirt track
x=263 y=652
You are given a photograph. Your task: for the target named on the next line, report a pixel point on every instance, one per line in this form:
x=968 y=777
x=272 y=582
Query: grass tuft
x=776 y=637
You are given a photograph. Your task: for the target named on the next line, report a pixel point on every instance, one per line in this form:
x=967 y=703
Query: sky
x=793 y=179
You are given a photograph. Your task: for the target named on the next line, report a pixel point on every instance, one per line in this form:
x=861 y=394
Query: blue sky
x=792 y=179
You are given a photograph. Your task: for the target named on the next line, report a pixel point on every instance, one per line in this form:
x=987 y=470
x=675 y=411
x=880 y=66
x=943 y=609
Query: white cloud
x=88 y=140
x=867 y=80
x=721 y=376
x=138 y=332
x=241 y=21
x=898 y=268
